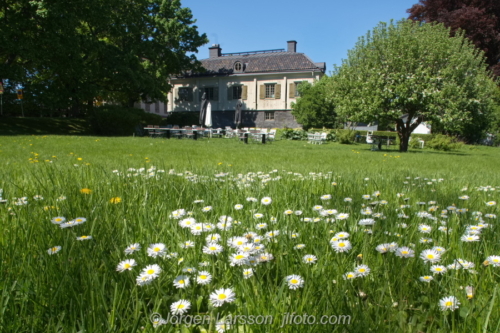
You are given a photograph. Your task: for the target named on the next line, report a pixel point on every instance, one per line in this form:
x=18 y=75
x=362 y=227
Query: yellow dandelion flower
x=85 y=191
x=115 y=200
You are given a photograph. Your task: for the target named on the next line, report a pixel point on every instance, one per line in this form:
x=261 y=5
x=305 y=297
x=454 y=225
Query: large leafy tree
x=479 y=18
x=413 y=69
x=68 y=53
x=313 y=108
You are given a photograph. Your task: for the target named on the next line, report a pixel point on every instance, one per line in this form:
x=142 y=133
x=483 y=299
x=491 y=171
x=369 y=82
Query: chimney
x=292 y=46
x=215 y=51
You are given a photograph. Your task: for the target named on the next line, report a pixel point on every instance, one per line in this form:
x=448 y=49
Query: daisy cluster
x=151 y=172
x=244 y=243
x=244 y=236
x=63 y=224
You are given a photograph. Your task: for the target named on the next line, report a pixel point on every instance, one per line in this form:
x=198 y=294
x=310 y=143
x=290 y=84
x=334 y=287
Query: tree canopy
x=415 y=70
x=69 y=53
x=312 y=108
x=479 y=18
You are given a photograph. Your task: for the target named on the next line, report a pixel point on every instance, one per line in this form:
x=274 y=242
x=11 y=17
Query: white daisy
x=187 y=244
x=426 y=278
x=449 y=303
x=404 y=252
x=362 y=270
x=203 y=278
x=431 y=256
x=221 y=296
x=213 y=248
x=132 y=248
x=469 y=238
x=180 y=307
x=295 y=281
x=341 y=245
x=151 y=271
x=309 y=259
x=181 y=282
x=157 y=249
x=266 y=201
x=54 y=249
x=438 y=269
x=247 y=273
x=58 y=220
x=493 y=260
x=238 y=259
x=126 y=265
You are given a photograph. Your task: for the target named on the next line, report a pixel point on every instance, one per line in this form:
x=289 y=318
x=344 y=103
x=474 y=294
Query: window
x=297 y=94
x=269 y=115
x=270 y=90
x=293 y=91
x=212 y=93
x=237 y=92
x=185 y=94
x=238 y=67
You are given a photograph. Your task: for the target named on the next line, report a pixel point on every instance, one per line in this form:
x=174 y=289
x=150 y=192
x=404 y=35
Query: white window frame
x=269 y=115
x=270 y=90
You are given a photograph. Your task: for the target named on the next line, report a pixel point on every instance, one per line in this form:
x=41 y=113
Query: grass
x=79 y=290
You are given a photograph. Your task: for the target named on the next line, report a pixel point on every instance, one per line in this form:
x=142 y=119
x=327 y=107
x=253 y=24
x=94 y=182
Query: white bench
x=316 y=138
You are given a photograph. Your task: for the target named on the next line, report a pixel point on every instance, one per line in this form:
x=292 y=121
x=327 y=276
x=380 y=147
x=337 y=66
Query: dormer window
x=238 y=67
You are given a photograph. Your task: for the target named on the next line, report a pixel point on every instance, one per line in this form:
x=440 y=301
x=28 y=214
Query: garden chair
x=174 y=133
x=271 y=136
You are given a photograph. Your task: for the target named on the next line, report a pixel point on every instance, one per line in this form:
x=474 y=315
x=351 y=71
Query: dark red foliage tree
x=480 y=19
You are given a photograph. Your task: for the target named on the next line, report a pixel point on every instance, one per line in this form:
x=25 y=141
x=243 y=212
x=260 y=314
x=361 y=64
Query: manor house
x=265 y=82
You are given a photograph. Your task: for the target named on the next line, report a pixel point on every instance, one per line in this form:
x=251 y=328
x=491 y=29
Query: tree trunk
x=405 y=130
x=404 y=136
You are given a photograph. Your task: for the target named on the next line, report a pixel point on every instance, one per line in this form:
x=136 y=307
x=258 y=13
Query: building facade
x=264 y=82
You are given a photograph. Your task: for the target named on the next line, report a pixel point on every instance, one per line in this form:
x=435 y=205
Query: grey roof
x=260 y=63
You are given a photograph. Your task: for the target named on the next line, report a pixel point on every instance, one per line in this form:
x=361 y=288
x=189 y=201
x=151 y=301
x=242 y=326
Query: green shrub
x=414 y=143
x=293 y=134
x=444 y=143
x=182 y=118
x=331 y=136
x=346 y=136
x=114 y=120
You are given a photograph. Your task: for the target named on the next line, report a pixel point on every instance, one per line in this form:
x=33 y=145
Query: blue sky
x=324 y=30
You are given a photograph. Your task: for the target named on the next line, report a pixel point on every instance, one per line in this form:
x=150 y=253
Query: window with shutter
x=262 y=91
x=234 y=92
x=297 y=93
x=270 y=90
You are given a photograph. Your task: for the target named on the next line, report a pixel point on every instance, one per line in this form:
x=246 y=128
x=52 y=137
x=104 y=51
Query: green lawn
x=284 y=200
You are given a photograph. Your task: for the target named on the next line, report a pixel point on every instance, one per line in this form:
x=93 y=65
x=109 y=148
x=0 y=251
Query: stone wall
x=254 y=119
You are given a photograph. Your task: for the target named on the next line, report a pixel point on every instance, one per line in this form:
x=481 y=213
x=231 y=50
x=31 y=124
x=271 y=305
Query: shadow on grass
x=413 y=151
x=44 y=126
